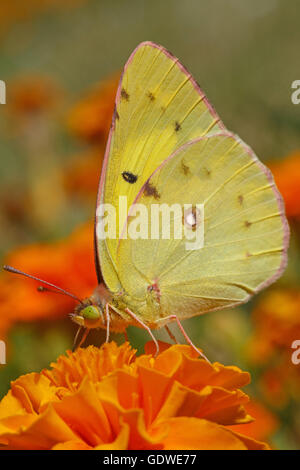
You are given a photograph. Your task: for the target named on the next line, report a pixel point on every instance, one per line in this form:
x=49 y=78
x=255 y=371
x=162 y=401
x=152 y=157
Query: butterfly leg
x=171 y=334
x=188 y=339
x=107 y=322
x=76 y=338
x=144 y=326
x=83 y=338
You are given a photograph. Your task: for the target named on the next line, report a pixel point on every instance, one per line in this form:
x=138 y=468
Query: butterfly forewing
x=159 y=107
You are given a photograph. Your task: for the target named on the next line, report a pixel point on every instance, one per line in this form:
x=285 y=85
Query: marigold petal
x=10 y=406
x=121 y=441
x=84 y=410
x=43 y=432
x=262 y=426
x=155 y=388
x=140 y=438
x=89 y=362
x=150 y=347
x=250 y=443
x=180 y=402
x=15 y=423
x=34 y=391
x=127 y=389
x=224 y=406
x=181 y=362
x=72 y=445
x=191 y=434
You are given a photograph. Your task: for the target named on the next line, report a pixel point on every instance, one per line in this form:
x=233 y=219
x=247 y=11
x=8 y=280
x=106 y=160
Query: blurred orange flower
x=32 y=94
x=17 y=10
x=287 y=176
x=90 y=119
x=276 y=325
x=108 y=398
x=274 y=384
x=81 y=177
x=68 y=263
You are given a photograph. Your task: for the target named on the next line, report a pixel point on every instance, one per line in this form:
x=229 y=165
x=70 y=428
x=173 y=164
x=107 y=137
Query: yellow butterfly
x=168 y=146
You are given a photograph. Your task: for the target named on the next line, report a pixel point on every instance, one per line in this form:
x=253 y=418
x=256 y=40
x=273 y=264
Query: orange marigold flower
x=108 y=398
x=90 y=119
x=68 y=263
x=287 y=177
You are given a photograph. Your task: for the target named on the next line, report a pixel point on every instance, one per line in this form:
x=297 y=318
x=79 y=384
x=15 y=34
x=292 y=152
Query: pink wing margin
x=112 y=128
x=278 y=197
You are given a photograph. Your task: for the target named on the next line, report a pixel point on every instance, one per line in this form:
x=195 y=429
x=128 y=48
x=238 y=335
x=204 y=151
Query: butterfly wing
x=245 y=232
x=158 y=108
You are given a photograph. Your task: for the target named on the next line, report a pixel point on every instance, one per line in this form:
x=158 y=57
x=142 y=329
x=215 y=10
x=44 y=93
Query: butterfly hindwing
x=245 y=232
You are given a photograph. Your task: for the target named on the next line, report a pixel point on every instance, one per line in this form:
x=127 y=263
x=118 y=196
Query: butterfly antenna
x=10 y=269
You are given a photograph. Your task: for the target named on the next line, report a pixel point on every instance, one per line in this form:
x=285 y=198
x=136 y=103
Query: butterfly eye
x=91 y=313
x=191 y=218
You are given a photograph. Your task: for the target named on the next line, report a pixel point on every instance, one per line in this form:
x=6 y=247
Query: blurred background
x=61 y=60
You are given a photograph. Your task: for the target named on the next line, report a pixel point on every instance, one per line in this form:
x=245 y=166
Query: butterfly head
x=88 y=316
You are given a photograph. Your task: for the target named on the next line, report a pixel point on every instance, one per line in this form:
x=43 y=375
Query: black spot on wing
x=129 y=177
x=150 y=190
x=185 y=168
x=241 y=199
x=177 y=126
x=150 y=96
x=207 y=171
x=124 y=94
x=247 y=223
